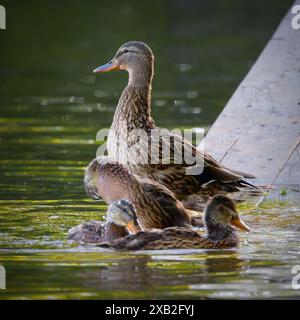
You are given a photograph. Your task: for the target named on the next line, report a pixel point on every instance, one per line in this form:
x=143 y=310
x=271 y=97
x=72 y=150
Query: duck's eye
x=125 y=51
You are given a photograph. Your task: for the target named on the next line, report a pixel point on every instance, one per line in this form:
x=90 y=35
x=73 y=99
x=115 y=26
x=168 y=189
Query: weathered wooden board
x=259 y=129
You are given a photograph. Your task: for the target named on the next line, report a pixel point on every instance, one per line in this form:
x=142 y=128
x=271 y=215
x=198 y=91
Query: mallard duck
x=134 y=112
x=220 y=219
x=120 y=221
x=155 y=205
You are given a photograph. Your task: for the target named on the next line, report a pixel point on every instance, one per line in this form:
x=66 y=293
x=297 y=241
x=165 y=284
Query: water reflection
x=125 y=275
x=228 y=262
x=261 y=267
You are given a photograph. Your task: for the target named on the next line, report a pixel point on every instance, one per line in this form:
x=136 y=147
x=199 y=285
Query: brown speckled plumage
x=118 y=214
x=134 y=112
x=220 y=214
x=155 y=205
x=96 y=231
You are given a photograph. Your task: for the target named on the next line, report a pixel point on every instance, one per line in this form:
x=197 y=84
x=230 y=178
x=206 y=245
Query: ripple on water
x=260 y=268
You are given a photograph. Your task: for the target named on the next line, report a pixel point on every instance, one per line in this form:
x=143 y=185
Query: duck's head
x=122 y=213
x=107 y=179
x=220 y=214
x=136 y=57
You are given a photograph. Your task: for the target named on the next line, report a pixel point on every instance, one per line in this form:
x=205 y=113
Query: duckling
x=220 y=219
x=155 y=205
x=133 y=113
x=120 y=221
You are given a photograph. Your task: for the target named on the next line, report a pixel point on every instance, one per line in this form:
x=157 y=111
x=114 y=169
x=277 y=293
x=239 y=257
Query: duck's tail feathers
x=244 y=174
x=246 y=184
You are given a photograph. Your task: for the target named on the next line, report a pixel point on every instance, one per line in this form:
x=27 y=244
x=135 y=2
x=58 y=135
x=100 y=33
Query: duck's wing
x=215 y=168
x=209 y=168
x=179 y=165
x=169 y=211
x=133 y=242
x=169 y=238
x=179 y=238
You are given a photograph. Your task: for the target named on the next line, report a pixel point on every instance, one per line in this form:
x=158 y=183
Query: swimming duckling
x=220 y=219
x=120 y=221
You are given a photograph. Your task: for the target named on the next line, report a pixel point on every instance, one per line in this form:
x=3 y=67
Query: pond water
x=51 y=109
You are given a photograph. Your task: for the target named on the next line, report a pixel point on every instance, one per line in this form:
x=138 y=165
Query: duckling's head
x=107 y=179
x=122 y=213
x=220 y=215
x=136 y=57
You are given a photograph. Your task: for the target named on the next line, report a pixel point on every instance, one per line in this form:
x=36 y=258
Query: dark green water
x=51 y=109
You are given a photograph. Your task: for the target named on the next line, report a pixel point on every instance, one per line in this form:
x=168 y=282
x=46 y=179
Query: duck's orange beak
x=239 y=223
x=133 y=227
x=111 y=65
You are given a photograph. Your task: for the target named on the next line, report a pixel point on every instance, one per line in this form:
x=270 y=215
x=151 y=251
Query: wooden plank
x=259 y=128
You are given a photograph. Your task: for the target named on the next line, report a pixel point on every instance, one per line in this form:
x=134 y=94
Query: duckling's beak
x=111 y=65
x=133 y=227
x=239 y=223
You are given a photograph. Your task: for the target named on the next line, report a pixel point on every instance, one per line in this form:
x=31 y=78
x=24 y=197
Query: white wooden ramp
x=259 y=129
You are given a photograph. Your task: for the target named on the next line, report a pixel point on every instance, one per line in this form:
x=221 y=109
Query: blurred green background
x=52 y=105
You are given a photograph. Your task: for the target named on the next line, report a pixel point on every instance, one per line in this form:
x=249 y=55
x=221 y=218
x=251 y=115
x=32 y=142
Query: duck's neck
x=134 y=107
x=141 y=75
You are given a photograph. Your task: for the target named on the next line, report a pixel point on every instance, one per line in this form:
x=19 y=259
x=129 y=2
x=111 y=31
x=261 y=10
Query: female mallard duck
x=155 y=205
x=134 y=112
x=120 y=221
x=220 y=216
